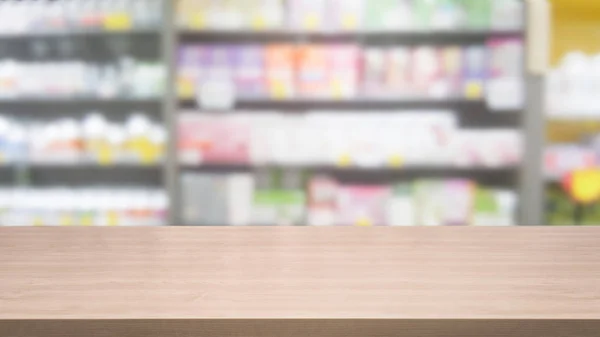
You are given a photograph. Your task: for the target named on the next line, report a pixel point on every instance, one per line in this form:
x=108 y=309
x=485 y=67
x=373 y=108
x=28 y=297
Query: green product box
x=279 y=207
x=478 y=13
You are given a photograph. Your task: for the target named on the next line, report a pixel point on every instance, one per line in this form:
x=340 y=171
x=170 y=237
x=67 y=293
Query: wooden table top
x=299 y=272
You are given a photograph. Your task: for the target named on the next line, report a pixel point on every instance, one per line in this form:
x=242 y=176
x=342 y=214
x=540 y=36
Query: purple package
x=189 y=70
x=220 y=63
x=250 y=71
x=475 y=71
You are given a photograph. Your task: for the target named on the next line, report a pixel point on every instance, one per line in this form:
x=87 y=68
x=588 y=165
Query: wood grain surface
x=173 y=273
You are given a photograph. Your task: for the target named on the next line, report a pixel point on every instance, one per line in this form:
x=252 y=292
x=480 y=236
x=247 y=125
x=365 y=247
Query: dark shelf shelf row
x=82 y=175
x=471 y=113
x=500 y=177
x=464 y=37
x=83 y=33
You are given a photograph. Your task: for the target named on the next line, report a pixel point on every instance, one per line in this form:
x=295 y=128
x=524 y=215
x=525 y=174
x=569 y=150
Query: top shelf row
x=315 y=18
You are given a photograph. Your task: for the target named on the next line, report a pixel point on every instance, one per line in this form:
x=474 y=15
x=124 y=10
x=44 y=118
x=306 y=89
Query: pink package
x=211 y=139
x=250 y=71
x=452 y=59
x=322 y=201
x=343 y=65
x=398 y=81
x=427 y=74
x=374 y=70
x=506 y=57
x=191 y=61
x=362 y=205
x=457 y=202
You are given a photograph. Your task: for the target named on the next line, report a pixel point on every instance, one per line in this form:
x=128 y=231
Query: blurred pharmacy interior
x=299 y=112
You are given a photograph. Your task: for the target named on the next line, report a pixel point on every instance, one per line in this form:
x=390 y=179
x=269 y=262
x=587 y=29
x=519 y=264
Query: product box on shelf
x=343 y=64
x=505 y=88
x=494 y=208
x=452 y=66
x=266 y=14
x=374 y=71
x=487 y=148
x=192 y=61
x=308 y=15
x=362 y=205
x=427 y=72
x=204 y=139
x=250 y=72
x=322 y=201
x=279 y=207
x=281 y=71
x=444 y=203
x=204 y=199
x=346 y=15
x=400 y=209
x=397 y=75
x=314 y=72
x=475 y=61
x=507 y=15
x=389 y=15
x=478 y=14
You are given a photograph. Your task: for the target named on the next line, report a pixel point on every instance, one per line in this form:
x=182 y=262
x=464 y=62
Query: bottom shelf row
x=265 y=198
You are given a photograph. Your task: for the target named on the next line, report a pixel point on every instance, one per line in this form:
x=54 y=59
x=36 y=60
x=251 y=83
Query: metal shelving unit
x=95 y=45
x=471 y=113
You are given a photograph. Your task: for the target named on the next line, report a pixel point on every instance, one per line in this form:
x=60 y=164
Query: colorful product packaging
x=314 y=72
x=322 y=201
x=280 y=66
x=213 y=139
x=347 y=15
x=400 y=206
x=427 y=72
x=494 y=207
x=220 y=65
x=505 y=88
x=508 y=14
x=457 y=198
x=343 y=65
x=398 y=80
x=374 y=72
x=250 y=72
x=452 y=66
x=191 y=62
x=389 y=15
x=475 y=72
x=308 y=15
x=265 y=14
x=204 y=199
x=362 y=205
x=478 y=13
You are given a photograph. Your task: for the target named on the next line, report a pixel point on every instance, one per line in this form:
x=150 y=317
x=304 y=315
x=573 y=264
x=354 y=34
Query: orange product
x=280 y=68
x=314 y=80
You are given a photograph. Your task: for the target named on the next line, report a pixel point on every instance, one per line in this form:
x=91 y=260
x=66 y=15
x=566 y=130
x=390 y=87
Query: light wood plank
x=299 y=272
